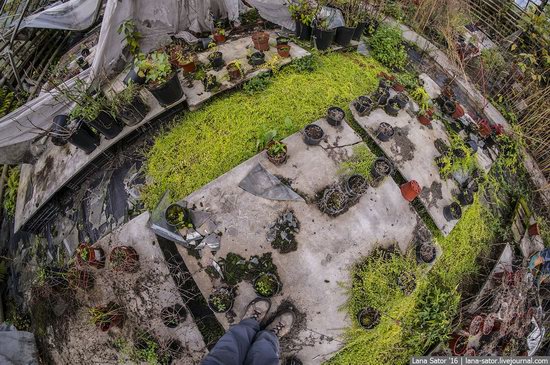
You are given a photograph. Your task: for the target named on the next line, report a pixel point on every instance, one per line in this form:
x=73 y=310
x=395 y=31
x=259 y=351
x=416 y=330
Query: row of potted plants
x=266 y=285
x=312 y=22
x=121 y=258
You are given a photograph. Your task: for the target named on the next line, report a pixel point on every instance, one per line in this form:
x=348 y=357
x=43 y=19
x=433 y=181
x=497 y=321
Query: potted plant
x=218 y=34
x=426 y=252
x=401 y=99
x=256 y=58
x=335 y=116
x=384 y=132
x=88 y=255
x=392 y=108
x=381 y=168
x=534 y=230
x=448 y=107
x=302 y=12
x=313 y=134
x=177 y=216
x=235 y=70
x=410 y=190
x=95 y=111
x=363 y=105
x=356 y=185
x=381 y=96
x=161 y=80
x=368 y=318
x=82 y=279
x=458 y=344
x=261 y=41
x=221 y=300
x=210 y=82
x=76 y=132
x=334 y=201
x=174 y=315
x=215 y=57
x=350 y=10
x=283 y=50
x=107 y=317
x=282 y=40
x=452 y=211
x=484 y=128
x=466 y=197
x=322 y=34
x=459 y=111
x=129 y=105
x=276 y=152
x=124 y=258
x=424 y=118
x=180 y=59
x=266 y=285
x=476 y=325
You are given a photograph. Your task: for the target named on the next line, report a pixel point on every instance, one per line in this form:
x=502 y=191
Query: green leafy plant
x=258 y=83
x=158 y=68
x=131 y=35
x=84 y=253
x=10 y=194
x=104 y=315
x=305 y=64
x=302 y=11
x=387 y=47
x=221 y=299
x=460 y=158
x=266 y=285
x=277 y=148
x=360 y=163
x=493 y=60
x=421 y=97
x=265 y=138
x=408 y=79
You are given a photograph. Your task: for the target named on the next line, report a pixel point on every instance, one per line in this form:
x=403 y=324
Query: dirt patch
x=432 y=194
x=403 y=146
x=47 y=169
x=282 y=234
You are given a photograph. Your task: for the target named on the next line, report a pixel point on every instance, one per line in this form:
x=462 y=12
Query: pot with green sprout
x=160 y=78
x=221 y=299
x=266 y=285
x=276 y=152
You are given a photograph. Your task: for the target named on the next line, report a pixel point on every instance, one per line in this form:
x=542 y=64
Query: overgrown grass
x=411 y=324
x=203 y=145
x=10 y=194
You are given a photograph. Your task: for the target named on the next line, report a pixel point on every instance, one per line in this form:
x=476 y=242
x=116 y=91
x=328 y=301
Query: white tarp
x=157 y=21
x=69 y=15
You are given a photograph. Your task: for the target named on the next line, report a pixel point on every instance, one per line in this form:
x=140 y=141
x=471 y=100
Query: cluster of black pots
x=79 y=134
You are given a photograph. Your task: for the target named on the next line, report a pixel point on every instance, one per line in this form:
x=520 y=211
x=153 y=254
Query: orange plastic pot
x=189 y=67
x=410 y=190
x=459 y=111
x=283 y=50
x=534 y=230
x=484 y=128
x=398 y=87
x=424 y=120
x=218 y=38
x=261 y=41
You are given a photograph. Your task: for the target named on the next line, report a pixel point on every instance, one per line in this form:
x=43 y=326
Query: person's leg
x=265 y=348
x=232 y=348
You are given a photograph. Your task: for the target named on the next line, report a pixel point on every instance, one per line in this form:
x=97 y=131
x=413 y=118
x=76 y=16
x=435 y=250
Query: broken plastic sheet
x=205 y=234
x=69 y=15
x=535 y=338
x=262 y=183
x=276 y=11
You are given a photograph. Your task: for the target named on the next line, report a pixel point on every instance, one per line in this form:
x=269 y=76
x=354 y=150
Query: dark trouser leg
x=264 y=350
x=232 y=348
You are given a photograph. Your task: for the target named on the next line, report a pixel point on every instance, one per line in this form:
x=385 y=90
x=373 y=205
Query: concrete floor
x=236 y=50
x=413 y=152
x=142 y=294
x=327 y=247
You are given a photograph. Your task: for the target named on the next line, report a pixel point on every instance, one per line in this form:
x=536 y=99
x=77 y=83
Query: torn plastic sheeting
x=159 y=225
x=535 y=338
x=334 y=17
x=70 y=15
x=261 y=183
x=276 y=11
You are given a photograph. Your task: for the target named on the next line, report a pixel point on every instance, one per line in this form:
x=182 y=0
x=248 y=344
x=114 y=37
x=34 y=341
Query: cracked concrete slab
x=413 y=151
x=327 y=247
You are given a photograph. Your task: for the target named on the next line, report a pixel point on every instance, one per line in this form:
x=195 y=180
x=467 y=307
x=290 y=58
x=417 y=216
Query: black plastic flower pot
x=106 y=125
x=368 y=318
x=356 y=185
x=81 y=61
x=266 y=285
x=134 y=113
x=344 y=35
x=216 y=60
x=134 y=77
x=324 y=38
x=176 y=216
x=449 y=107
x=83 y=137
x=313 y=134
x=59 y=131
x=426 y=253
x=381 y=168
x=257 y=58
x=335 y=116
x=384 y=132
x=381 y=96
x=363 y=105
x=359 y=31
x=303 y=32
x=371 y=27
x=466 y=197
x=169 y=92
x=402 y=100
x=392 y=108
x=452 y=212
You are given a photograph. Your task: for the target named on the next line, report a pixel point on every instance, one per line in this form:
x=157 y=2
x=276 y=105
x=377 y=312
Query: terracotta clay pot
x=458 y=344
x=398 y=87
x=459 y=111
x=218 y=38
x=189 y=67
x=283 y=50
x=410 y=190
x=95 y=256
x=534 y=230
x=476 y=326
x=424 y=119
x=484 y=128
x=261 y=41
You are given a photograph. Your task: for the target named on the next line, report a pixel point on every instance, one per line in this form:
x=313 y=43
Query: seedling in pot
x=356 y=185
x=368 y=318
x=256 y=58
x=210 y=82
x=384 y=132
x=333 y=201
x=88 y=255
x=381 y=168
x=216 y=59
x=221 y=300
x=178 y=216
x=426 y=253
x=335 y=116
x=106 y=317
x=313 y=134
x=235 y=70
x=392 y=108
x=363 y=105
x=266 y=285
x=124 y=258
x=452 y=212
x=276 y=152
x=219 y=33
